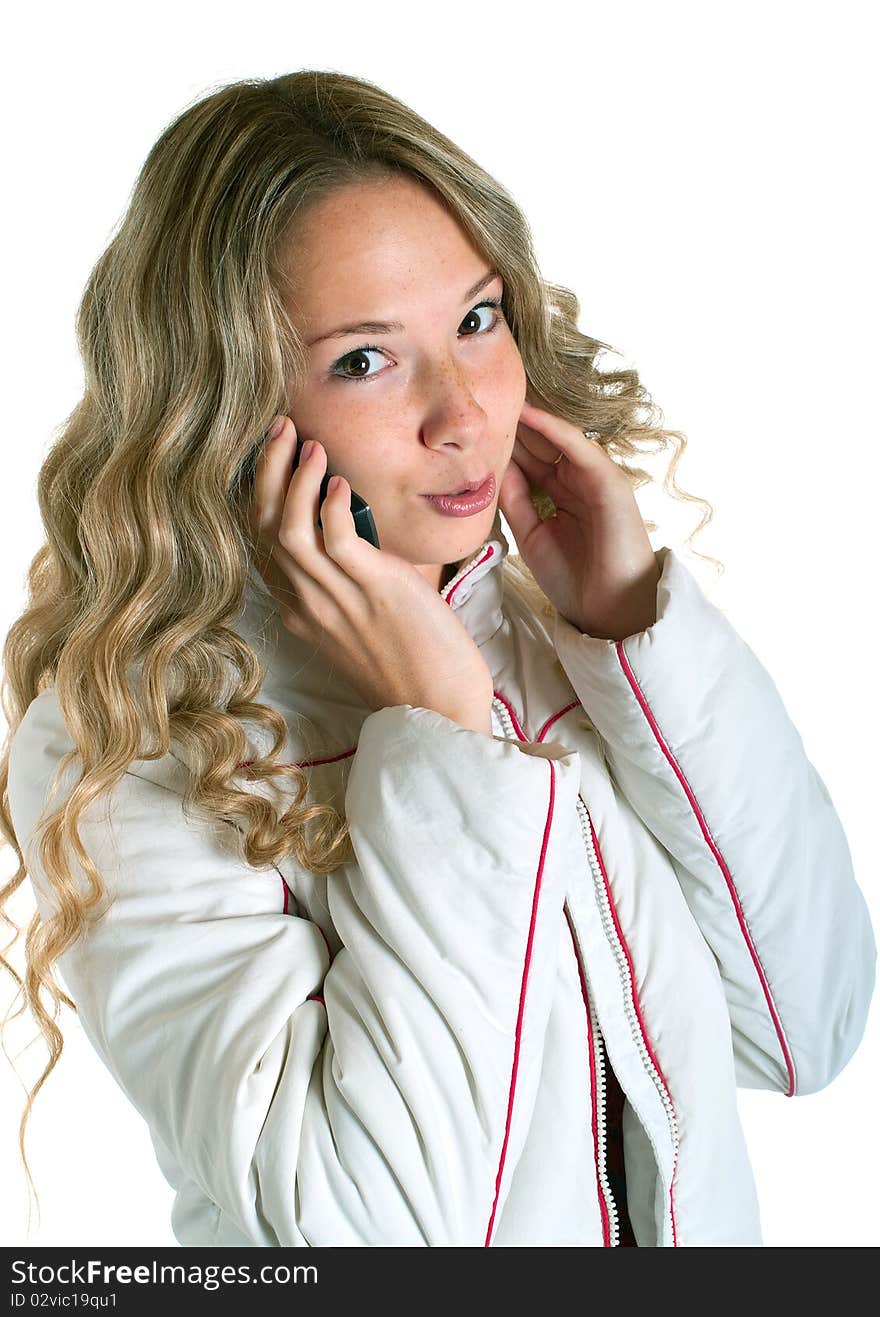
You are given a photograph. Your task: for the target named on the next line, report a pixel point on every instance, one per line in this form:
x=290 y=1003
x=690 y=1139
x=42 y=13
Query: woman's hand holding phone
x=371 y=612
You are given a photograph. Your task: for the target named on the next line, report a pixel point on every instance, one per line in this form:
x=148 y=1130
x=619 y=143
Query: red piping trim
x=308 y=763
x=287 y=896
x=780 y=1033
x=603 y=1206
x=516 y=723
x=522 y=998
x=327 y=944
x=332 y=759
x=553 y=717
x=487 y=554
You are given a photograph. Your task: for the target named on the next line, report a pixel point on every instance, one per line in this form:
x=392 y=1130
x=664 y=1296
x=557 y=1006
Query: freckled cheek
x=327 y=419
x=354 y=435
x=361 y=450
x=508 y=365
x=509 y=390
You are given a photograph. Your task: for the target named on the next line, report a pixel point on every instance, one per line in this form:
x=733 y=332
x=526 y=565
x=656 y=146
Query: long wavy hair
x=188 y=354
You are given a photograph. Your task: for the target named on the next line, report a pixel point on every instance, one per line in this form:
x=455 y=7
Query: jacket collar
x=476 y=589
x=298 y=676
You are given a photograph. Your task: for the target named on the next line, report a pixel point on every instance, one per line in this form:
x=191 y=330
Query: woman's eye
x=338 y=369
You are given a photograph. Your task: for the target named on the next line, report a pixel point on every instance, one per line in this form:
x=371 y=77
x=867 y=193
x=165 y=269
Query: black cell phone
x=360 y=510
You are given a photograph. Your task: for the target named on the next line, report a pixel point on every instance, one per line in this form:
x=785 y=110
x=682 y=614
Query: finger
x=588 y=473
x=537 y=470
x=338 y=523
x=355 y=556
x=298 y=529
x=302 y=547
x=515 y=502
x=271 y=479
x=530 y=432
x=286 y=591
x=298 y=571
x=292 y=585
x=550 y=438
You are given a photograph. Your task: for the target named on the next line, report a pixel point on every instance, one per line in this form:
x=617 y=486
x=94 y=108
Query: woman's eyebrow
x=393 y=326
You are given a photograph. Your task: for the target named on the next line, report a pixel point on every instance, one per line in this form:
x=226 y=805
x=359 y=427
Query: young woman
x=421 y=893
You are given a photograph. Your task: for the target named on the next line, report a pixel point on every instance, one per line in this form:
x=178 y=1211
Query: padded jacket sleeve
x=697 y=737
x=393 y=1111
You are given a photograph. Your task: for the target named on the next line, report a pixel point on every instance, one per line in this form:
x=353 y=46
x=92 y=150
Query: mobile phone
x=360 y=510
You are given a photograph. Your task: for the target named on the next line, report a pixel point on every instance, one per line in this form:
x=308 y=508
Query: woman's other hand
x=593 y=559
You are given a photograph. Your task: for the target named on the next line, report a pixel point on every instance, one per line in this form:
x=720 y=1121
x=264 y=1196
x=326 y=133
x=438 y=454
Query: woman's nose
x=450 y=401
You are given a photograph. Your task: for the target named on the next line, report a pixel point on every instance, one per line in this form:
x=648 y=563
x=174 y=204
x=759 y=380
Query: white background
x=702 y=176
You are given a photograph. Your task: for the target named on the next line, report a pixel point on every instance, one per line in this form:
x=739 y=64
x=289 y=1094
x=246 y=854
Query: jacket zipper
x=596 y=1043
x=602 y=1128
x=626 y=982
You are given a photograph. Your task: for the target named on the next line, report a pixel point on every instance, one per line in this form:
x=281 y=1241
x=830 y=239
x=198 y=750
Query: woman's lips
x=464 y=505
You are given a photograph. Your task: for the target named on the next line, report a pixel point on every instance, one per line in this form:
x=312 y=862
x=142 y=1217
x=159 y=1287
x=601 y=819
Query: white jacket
x=414 y=1050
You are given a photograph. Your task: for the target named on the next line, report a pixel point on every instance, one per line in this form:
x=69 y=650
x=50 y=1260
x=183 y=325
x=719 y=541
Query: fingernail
x=307 y=449
x=276 y=427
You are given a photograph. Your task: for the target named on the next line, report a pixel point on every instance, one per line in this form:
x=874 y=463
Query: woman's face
x=423 y=408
